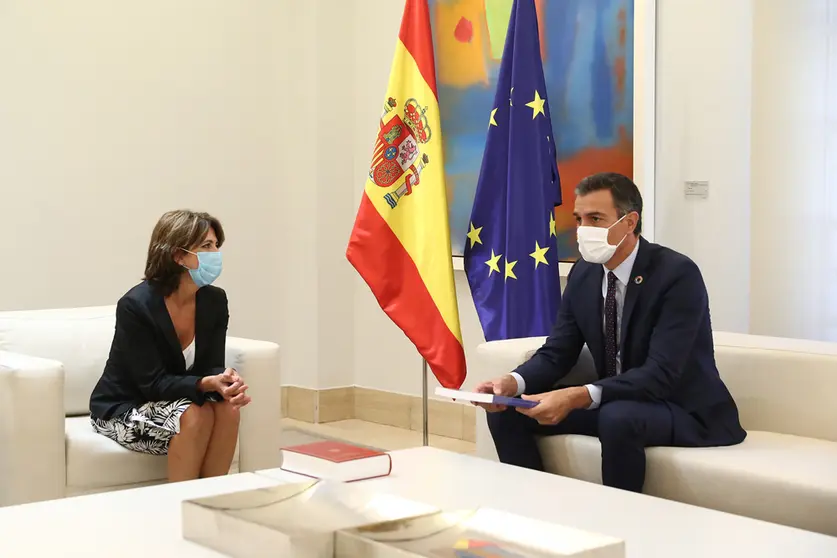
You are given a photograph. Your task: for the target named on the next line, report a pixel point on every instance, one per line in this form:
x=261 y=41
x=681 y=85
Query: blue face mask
x=209 y=268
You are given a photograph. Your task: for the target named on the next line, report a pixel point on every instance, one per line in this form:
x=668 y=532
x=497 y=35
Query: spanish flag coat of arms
x=400 y=243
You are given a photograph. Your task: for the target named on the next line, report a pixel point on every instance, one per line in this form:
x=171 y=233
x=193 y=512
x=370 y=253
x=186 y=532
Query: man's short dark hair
x=626 y=196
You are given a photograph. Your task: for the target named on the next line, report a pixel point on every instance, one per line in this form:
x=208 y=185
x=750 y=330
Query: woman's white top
x=189 y=355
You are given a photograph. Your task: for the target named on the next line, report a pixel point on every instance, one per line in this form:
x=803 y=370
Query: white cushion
x=94 y=461
x=780 y=478
x=79 y=338
x=759 y=371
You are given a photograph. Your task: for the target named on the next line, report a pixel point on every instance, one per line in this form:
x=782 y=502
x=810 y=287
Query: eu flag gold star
x=474 y=235
x=510 y=268
x=492 y=263
x=491 y=121
x=539 y=255
x=552 y=224
x=537 y=105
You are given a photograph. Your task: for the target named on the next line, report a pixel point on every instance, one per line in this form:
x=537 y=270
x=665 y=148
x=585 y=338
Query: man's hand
x=504 y=385
x=554 y=406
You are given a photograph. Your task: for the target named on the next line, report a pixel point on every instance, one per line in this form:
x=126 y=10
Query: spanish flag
x=400 y=243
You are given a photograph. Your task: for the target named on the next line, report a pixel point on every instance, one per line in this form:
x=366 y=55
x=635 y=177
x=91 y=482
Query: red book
x=337 y=461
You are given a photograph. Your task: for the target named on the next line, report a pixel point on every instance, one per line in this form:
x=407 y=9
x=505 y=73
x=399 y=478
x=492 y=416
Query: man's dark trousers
x=624 y=428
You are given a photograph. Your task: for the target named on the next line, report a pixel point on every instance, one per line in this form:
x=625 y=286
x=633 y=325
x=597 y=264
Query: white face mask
x=593 y=244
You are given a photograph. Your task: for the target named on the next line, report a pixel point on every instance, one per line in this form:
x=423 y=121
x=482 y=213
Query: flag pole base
x=425 y=432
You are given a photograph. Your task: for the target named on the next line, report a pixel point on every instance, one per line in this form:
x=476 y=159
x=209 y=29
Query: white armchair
x=50 y=360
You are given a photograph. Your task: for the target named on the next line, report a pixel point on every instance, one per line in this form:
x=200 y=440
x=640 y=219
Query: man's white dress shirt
x=623 y=275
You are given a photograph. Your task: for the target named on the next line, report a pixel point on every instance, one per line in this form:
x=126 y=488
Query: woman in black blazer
x=165 y=389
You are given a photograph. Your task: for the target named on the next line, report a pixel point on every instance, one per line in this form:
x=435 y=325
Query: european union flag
x=511 y=250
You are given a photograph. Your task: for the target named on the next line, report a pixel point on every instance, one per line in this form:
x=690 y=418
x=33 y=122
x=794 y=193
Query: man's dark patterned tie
x=610 y=325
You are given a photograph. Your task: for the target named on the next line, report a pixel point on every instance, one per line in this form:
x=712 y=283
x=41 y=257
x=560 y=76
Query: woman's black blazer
x=146 y=360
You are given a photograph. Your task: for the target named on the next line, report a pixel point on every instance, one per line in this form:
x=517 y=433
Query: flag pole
x=425 y=433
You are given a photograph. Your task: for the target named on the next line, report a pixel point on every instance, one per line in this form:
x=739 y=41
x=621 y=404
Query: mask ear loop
x=618 y=221
x=194 y=254
x=618 y=244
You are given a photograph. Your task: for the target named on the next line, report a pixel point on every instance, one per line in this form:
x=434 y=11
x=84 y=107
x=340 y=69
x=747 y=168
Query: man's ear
x=633 y=219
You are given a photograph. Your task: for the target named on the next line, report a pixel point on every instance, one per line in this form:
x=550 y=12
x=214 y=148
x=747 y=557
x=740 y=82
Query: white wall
x=112 y=113
x=704 y=50
x=295 y=245
x=793 y=192
x=752 y=111
x=264 y=113
x=260 y=112
x=318 y=199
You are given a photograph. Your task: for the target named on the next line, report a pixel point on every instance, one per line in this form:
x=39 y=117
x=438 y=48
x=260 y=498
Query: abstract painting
x=587 y=51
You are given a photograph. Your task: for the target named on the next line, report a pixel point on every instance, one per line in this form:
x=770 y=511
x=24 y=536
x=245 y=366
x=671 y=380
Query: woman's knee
x=225 y=413
x=197 y=418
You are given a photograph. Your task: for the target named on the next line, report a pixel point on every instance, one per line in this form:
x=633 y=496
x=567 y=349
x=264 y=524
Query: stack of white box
x=321 y=519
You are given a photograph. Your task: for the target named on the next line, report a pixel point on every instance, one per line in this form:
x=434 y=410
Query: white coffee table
x=651 y=527
x=141 y=523
x=146 y=522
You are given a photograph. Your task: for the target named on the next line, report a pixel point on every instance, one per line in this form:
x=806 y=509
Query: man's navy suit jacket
x=666 y=345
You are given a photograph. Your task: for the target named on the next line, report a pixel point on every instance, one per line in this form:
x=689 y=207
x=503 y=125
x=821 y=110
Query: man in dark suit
x=643 y=312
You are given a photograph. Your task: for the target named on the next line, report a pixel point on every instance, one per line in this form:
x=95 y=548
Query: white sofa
x=50 y=361
x=784 y=472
